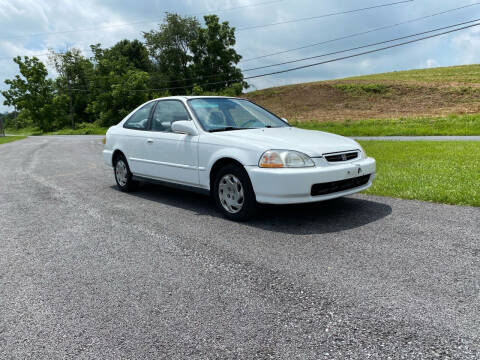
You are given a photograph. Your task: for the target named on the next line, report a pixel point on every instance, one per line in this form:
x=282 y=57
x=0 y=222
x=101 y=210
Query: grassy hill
x=439 y=101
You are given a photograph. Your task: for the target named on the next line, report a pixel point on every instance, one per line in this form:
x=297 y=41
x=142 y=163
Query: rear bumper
x=294 y=186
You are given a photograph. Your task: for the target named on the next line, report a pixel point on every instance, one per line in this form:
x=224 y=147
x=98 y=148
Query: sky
x=31 y=27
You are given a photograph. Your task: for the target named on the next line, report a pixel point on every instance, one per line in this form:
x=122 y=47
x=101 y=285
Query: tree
x=74 y=72
x=134 y=51
x=214 y=58
x=120 y=84
x=11 y=97
x=32 y=92
x=186 y=54
x=126 y=92
x=169 y=47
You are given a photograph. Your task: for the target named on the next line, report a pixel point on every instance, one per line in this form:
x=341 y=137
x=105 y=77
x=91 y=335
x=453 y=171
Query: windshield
x=223 y=114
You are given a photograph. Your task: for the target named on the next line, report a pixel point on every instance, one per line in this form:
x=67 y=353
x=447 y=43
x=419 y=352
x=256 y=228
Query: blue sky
x=23 y=24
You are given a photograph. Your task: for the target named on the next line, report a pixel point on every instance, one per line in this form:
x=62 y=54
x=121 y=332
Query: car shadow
x=318 y=218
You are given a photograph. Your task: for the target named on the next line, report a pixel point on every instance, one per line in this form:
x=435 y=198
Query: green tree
x=32 y=92
x=129 y=90
x=74 y=73
x=120 y=84
x=186 y=54
x=11 y=98
x=134 y=52
x=214 y=58
x=169 y=47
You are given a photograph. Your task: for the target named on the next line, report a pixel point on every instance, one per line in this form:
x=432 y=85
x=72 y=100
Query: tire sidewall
x=250 y=204
x=130 y=185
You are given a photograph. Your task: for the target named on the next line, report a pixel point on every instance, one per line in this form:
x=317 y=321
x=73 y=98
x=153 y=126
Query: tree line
x=179 y=57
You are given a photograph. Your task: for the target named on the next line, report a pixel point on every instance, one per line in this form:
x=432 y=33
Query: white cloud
x=467 y=46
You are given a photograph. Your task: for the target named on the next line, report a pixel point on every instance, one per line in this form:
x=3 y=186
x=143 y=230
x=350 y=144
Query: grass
x=443 y=172
x=81 y=129
x=7 y=139
x=465 y=74
x=423 y=126
x=27 y=131
x=91 y=130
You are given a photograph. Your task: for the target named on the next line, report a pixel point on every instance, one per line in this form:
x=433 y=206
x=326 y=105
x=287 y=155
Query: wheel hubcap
x=230 y=193
x=121 y=172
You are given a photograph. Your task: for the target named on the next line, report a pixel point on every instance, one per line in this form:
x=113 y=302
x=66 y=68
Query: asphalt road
x=89 y=272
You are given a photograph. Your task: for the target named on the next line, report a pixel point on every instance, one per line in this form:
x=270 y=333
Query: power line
x=363 y=53
x=324 y=15
x=335 y=52
x=314 y=64
x=222 y=10
x=233 y=8
x=11 y=57
x=361 y=33
x=326 y=41
x=361 y=47
x=135 y=22
x=239 y=7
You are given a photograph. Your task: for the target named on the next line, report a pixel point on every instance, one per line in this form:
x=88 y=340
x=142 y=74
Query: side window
x=167 y=112
x=139 y=120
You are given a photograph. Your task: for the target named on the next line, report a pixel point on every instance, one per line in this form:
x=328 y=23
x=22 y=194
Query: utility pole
x=2 y=131
x=15 y=114
x=69 y=89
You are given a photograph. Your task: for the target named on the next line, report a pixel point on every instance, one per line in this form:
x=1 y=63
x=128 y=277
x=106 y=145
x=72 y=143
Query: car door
x=171 y=156
x=134 y=137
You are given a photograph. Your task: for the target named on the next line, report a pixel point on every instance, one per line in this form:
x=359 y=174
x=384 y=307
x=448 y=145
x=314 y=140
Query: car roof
x=185 y=97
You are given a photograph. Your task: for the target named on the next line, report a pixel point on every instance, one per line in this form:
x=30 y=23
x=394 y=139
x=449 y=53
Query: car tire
x=233 y=193
x=123 y=175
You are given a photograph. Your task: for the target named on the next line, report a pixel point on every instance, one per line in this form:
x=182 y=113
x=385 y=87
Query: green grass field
x=81 y=129
x=7 y=139
x=449 y=125
x=465 y=74
x=444 y=172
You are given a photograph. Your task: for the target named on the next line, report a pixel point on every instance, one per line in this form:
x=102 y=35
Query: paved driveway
x=89 y=272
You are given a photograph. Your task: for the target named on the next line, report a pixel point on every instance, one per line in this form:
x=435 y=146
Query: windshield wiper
x=227 y=128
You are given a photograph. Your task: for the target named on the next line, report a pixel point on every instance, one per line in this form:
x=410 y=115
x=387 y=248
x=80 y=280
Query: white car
x=234 y=150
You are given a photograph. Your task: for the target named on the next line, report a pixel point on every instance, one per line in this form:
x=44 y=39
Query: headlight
x=284 y=159
x=363 y=151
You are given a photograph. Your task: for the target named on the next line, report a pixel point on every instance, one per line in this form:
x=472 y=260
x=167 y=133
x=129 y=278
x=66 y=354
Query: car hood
x=310 y=142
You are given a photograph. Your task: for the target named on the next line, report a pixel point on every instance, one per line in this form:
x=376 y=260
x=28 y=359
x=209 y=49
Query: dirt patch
x=363 y=99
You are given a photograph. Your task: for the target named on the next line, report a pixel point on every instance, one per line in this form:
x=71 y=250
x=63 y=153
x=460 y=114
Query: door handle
x=150 y=141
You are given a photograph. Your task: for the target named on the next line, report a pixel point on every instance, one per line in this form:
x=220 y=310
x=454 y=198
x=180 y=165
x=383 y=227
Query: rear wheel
x=233 y=193
x=123 y=176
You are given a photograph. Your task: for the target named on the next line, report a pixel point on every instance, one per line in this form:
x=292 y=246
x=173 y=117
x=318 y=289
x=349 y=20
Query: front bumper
x=294 y=186
x=107 y=157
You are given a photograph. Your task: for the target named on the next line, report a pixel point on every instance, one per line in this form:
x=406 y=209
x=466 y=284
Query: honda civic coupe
x=234 y=150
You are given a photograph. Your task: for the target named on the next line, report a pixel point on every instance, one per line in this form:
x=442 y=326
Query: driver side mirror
x=184 y=127
x=285 y=120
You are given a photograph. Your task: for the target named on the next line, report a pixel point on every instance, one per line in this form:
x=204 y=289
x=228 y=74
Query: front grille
x=346 y=156
x=337 y=186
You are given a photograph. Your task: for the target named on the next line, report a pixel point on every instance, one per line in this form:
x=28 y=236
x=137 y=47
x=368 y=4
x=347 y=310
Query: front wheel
x=123 y=176
x=233 y=193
